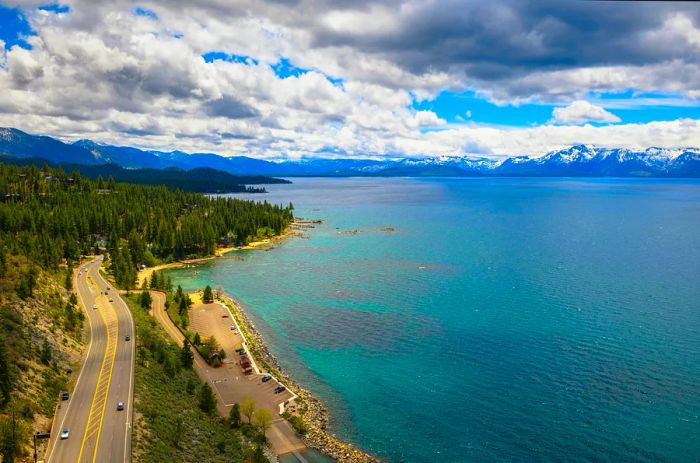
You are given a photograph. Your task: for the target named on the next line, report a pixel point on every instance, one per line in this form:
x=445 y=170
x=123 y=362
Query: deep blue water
x=502 y=320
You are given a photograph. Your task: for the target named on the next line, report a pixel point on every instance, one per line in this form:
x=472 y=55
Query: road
x=98 y=431
x=228 y=381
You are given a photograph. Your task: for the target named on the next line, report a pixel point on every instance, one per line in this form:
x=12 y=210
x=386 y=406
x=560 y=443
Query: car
x=110 y=300
x=94 y=306
x=127 y=338
x=233 y=327
x=224 y=316
x=266 y=378
x=106 y=293
x=240 y=350
x=65 y=433
x=120 y=406
x=65 y=395
x=279 y=389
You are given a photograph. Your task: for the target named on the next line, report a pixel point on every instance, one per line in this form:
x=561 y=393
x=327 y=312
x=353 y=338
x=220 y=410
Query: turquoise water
x=502 y=320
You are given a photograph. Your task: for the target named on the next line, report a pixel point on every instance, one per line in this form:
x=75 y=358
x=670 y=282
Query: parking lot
x=229 y=380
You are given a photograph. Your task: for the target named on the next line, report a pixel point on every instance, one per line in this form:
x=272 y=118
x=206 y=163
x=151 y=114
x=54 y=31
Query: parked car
x=240 y=351
x=233 y=327
x=65 y=433
x=266 y=378
x=279 y=389
x=120 y=406
x=94 y=306
x=224 y=316
x=65 y=395
x=110 y=300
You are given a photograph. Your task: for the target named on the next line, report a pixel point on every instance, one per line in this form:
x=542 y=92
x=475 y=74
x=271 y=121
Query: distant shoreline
x=316 y=415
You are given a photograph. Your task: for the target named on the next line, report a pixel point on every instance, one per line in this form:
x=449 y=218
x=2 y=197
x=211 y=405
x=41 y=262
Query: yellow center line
x=104 y=379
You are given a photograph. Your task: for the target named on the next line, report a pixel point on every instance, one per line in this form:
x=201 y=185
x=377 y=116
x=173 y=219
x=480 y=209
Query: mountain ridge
x=579 y=160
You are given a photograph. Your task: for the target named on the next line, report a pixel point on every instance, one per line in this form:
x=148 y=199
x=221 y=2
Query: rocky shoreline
x=314 y=414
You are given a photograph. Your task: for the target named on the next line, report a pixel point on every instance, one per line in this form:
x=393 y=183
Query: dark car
x=279 y=389
x=266 y=378
x=127 y=338
x=240 y=350
x=65 y=395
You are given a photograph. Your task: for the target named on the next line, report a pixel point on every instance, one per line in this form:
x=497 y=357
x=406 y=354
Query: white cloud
x=101 y=72
x=428 y=119
x=581 y=111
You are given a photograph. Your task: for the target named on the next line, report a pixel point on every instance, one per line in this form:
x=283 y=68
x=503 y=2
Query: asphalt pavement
x=98 y=432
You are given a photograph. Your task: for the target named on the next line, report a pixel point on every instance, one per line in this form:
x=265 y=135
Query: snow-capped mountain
x=574 y=161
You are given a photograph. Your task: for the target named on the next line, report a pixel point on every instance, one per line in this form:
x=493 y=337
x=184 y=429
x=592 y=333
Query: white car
x=94 y=306
x=233 y=327
x=65 y=433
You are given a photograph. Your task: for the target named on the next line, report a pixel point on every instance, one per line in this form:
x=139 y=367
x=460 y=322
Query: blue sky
x=467 y=106
x=372 y=79
x=14 y=27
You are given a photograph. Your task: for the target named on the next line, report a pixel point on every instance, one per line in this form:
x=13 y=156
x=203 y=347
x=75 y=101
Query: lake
x=469 y=320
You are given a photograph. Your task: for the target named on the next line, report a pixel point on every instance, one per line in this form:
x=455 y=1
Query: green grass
x=169 y=425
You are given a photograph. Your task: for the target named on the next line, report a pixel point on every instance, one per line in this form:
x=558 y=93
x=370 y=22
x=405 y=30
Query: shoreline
x=316 y=416
x=266 y=244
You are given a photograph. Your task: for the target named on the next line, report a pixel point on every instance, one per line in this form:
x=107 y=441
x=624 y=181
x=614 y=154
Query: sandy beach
x=268 y=243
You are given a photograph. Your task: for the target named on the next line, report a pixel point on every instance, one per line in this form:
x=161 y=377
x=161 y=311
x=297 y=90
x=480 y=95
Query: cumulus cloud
x=581 y=111
x=100 y=71
x=428 y=119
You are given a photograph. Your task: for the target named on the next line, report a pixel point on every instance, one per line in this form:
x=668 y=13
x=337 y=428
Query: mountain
x=131 y=158
x=586 y=161
x=575 y=161
x=19 y=144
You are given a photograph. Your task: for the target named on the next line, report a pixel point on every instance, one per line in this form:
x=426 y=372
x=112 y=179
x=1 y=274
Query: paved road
x=228 y=381
x=98 y=431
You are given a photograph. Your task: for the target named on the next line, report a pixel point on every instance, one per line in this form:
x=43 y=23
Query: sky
x=311 y=78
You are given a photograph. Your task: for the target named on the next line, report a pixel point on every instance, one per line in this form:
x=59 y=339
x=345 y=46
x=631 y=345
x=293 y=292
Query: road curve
x=98 y=431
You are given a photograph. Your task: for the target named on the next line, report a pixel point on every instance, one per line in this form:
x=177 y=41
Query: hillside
x=41 y=342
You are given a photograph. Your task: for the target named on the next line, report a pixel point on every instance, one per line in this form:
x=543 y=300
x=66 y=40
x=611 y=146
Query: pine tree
x=69 y=278
x=207 y=401
x=234 y=417
x=207 y=295
x=6 y=378
x=145 y=300
x=186 y=356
